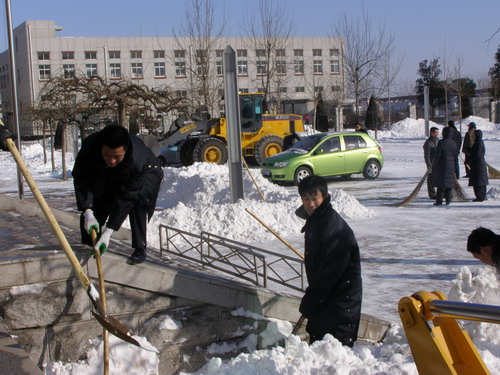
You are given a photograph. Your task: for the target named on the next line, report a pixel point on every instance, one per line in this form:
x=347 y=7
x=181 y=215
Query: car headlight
x=281 y=164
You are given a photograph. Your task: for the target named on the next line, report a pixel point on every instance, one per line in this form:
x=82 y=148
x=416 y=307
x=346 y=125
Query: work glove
x=90 y=222
x=103 y=242
x=4 y=134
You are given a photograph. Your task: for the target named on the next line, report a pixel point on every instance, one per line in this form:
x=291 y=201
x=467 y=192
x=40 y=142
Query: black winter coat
x=443 y=170
x=478 y=174
x=332 y=301
x=430 y=147
x=138 y=176
x=456 y=137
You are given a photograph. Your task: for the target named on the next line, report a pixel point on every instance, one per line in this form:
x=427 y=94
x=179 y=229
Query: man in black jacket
x=430 y=146
x=332 y=301
x=443 y=169
x=116 y=175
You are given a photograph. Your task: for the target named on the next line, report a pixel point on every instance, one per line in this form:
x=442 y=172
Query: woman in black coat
x=443 y=169
x=478 y=174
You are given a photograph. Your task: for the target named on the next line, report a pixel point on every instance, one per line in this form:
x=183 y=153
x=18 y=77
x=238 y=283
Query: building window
x=242 y=53
x=43 y=55
x=136 y=54
x=334 y=66
x=201 y=68
x=335 y=88
x=317 y=52
x=282 y=89
x=219 y=53
x=281 y=67
x=180 y=69
x=68 y=70
x=280 y=53
x=90 y=55
x=115 y=70
x=299 y=66
x=334 y=53
x=114 y=54
x=260 y=53
x=201 y=54
x=179 y=54
x=260 y=89
x=91 y=70
x=220 y=68
x=181 y=93
x=242 y=67
x=300 y=89
x=244 y=91
x=68 y=55
x=261 y=67
x=298 y=52
x=159 y=54
x=159 y=69
x=220 y=92
x=136 y=70
x=318 y=67
x=318 y=88
x=44 y=72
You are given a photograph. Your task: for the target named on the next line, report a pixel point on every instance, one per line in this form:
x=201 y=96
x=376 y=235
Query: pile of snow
x=407 y=128
x=493 y=194
x=198 y=198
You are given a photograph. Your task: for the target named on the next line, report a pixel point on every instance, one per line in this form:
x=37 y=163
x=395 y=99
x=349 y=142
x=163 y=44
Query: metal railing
x=258 y=266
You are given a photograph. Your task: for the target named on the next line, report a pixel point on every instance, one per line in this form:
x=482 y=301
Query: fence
x=246 y=262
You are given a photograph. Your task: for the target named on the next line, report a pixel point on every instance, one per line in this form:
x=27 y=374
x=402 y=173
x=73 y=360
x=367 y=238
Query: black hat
x=472 y=125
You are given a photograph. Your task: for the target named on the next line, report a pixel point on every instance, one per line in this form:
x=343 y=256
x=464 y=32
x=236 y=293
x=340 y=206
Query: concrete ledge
x=69 y=219
x=13 y=359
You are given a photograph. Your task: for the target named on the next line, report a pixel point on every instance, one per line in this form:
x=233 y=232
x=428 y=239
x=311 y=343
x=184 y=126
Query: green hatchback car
x=326 y=154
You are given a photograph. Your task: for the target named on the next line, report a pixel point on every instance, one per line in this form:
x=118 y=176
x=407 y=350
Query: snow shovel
x=302 y=317
x=108 y=322
x=102 y=295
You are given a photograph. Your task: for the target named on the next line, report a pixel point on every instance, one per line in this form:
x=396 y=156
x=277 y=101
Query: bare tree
x=269 y=34
x=363 y=52
x=464 y=88
x=390 y=68
x=200 y=37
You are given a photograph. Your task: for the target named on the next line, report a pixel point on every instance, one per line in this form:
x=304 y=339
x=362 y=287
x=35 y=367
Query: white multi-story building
x=304 y=67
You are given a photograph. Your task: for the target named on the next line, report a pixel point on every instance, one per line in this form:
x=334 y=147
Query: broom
x=493 y=173
x=413 y=193
x=459 y=192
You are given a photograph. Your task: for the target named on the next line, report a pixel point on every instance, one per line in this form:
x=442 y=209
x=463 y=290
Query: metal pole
x=232 y=104
x=468 y=311
x=13 y=78
x=426 y=110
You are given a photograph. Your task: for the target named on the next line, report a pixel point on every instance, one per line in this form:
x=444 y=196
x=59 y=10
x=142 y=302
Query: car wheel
x=371 y=170
x=301 y=173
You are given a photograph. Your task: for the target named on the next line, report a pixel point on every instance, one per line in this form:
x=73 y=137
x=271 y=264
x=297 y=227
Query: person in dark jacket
x=469 y=139
x=359 y=128
x=116 y=175
x=430 y=146
x=332 y=300
x=457 y=138
x=290 y=140
x=484 y=245
x=444 y=168
x=478 y=174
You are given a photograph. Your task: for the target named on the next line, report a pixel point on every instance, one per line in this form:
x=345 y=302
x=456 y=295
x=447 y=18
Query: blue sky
x=423 y=29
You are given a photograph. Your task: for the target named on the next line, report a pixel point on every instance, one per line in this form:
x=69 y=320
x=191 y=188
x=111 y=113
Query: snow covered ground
x=404 y=250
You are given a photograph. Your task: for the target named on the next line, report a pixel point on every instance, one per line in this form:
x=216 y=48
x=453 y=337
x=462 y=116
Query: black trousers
x=430 y=189
x=480 y=192
x=443 y=193
x=137 y=216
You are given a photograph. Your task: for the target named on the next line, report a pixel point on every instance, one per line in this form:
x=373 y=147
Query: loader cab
x=252 y=107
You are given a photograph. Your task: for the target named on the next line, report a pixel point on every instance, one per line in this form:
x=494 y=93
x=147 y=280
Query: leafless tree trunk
x=269 y=35
x=390 y=68
x=200 y=36
x=364 y=50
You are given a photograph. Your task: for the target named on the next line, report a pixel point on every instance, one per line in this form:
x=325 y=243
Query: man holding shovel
x=116 y=175
x=332 y=301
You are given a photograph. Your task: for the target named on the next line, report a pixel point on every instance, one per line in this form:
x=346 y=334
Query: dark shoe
x=438 y=204
x=138 y=256
x=477 y=200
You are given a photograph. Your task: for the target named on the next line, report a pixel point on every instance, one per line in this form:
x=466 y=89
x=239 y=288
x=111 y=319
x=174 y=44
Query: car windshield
x=306 y=144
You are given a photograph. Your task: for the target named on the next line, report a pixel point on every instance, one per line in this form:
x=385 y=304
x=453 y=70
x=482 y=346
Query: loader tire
x=185 y=153
x=211 y=150
x=269 y=145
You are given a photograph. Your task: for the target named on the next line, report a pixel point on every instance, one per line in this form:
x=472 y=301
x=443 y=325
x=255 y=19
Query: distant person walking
x=469 y=139
x=307 y=119
x=444 y=168
x=457 y=138
x=359 y=128
x=430 y=147
x=478 y=174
